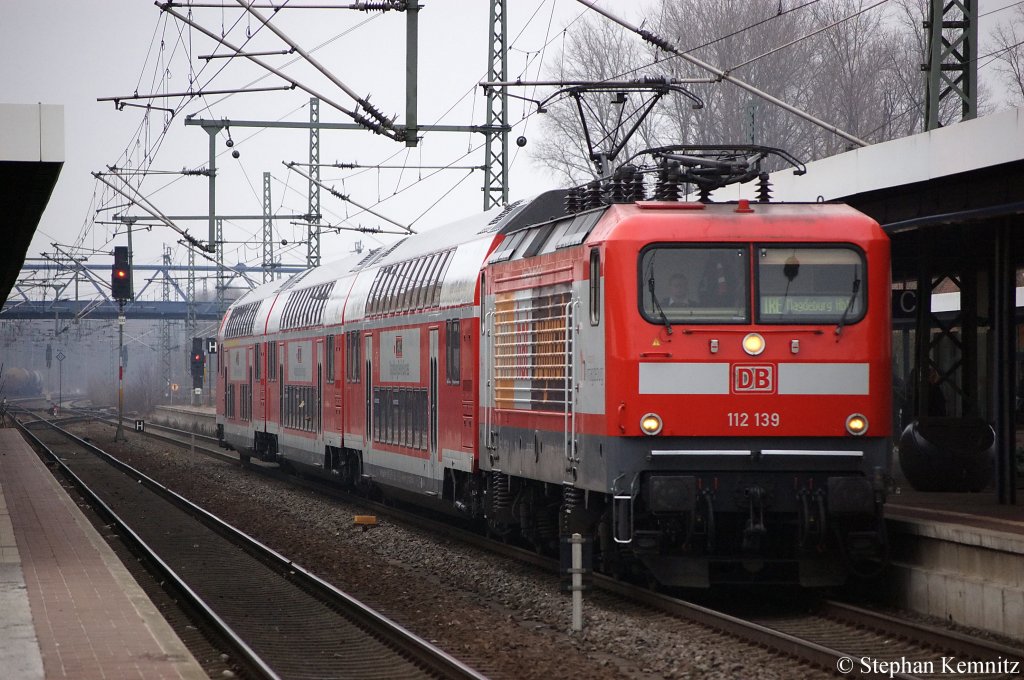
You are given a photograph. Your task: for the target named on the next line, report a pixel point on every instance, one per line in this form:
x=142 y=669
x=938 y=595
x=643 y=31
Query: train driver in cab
x=679 y=292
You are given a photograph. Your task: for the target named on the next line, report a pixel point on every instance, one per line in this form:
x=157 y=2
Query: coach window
x=257 y=365
x=373 y=296
x=415 y=283
x=386 y=289
x=401 y=285
x=272 y=361
x=810 y=284
x=435 y=288
x=329 y=350
x=354 y=363
x=402 y=304
x=595 y=287
x=422 y=286
x=408 y=286
x=452 y=358
x=694 y=284
x=305 y=305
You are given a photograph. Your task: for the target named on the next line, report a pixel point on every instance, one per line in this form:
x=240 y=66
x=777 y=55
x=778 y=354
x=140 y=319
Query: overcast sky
x=73 y=52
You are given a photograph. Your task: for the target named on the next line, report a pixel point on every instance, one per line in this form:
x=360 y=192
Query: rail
x=253 y=663
x=433 y=661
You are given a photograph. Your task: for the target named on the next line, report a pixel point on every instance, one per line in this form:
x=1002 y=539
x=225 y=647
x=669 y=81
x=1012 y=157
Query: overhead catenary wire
x=354 y=115
x=346 y=198
x=805 y=36
x=522 y=120
x=208 y=106
x=193 y=243
x=667 y=46
x=152 y=149
x=364 y=102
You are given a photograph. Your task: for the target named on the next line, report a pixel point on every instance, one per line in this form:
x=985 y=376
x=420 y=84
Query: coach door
x=432 y=392
x=319 y=389
x=368 y=382
x=261 y=385
x=247 y=414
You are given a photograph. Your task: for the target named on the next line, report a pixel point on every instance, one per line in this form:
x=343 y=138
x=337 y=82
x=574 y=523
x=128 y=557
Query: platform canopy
x=31 y=157
x=952 y=200
x=966 y=172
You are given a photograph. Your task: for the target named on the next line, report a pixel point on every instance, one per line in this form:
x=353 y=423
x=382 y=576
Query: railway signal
x=198 y=363
x=121 y=275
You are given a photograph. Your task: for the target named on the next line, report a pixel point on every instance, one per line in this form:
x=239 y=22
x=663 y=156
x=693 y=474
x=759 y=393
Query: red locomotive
x=702 y=388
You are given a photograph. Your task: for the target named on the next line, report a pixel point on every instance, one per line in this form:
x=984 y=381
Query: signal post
x=198 y=366
x=120 y=290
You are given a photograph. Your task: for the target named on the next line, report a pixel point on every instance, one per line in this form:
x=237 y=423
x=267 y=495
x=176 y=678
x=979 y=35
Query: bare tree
x=844 y=61
x=1009 y=56
x=733 y=35
x=597 y=50
x=145 y=387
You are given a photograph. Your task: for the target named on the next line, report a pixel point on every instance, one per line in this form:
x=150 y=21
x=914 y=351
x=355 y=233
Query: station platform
x=199 y=419
x=68 y=606
x=958 y=557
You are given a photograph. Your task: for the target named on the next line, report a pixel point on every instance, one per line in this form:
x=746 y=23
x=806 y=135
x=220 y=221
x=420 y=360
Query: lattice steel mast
x=313 y=236
x=952 y=67
x=496 y=141
x=268 y=231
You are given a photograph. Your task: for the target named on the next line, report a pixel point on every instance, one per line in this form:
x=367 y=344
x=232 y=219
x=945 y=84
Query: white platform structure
x=31 y=157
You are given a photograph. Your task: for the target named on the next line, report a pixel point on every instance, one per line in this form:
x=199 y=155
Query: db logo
x=753 y=378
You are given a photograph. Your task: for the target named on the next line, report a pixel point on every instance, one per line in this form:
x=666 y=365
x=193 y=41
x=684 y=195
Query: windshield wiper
x=849 y=306
x=657 y=305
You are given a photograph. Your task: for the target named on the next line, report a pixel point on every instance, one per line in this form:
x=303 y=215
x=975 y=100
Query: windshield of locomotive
x=804 y=284
x=691 y=284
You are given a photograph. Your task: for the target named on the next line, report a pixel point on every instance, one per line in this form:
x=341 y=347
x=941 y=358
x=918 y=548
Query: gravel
x=502 y=618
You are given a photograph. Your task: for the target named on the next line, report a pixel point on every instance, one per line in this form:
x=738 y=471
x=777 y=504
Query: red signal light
x=121 y=275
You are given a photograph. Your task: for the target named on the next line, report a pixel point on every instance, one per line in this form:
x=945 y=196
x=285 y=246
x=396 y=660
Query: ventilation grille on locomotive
x=533 y=345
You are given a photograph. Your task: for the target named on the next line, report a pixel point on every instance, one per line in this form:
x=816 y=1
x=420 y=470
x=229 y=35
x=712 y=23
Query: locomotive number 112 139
x=756 y=419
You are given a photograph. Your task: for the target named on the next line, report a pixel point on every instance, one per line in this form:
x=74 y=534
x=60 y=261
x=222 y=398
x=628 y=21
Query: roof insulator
x=764 y=188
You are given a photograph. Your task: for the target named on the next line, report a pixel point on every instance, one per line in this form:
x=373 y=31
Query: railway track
x=837 y=636
x=279 y=620
x=202 y=443
x=831 y=635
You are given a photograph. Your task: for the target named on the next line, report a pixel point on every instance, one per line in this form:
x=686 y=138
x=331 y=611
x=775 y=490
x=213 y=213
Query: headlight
x=651 y=424
x=856 y=424
x=753 y=344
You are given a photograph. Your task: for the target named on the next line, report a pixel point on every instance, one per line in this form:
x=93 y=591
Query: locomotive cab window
x=810 y=284
x=691 y=284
